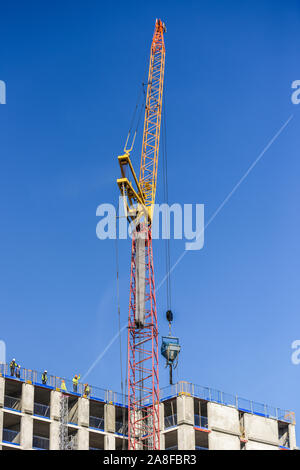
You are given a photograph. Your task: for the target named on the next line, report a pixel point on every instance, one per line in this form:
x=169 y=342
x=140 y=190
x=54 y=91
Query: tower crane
x=139 y=194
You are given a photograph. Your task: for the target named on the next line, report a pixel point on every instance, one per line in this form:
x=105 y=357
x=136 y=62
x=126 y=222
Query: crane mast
x=143 y=378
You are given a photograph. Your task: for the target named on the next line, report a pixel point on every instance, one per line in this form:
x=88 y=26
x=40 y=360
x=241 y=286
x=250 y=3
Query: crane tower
x=143 y=379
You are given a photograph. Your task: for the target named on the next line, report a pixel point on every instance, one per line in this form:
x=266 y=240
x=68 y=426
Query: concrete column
x=292 y=436
x=55 y=405
x=186 y=437
x=2 y=388
x=84 y=412
x=1 y=426
x=162 y=441
x=27 y=398
x=109 y=418
x=185 y=422
x=185 y=410
x=83 y=439
x=162 y=417
x=26 y=431
x=162 y=425
x=109 y=442
x=54 y=435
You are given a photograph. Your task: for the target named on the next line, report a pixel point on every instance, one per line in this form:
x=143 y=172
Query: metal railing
x=41 y=410
x=170 y=421
x=97 y=423
x=39 y=442
x=217 y=396
x=197 y=391
x=11 y=436
x=122 y=428
x=115 y=397
x=201 y=421
x=12 y=403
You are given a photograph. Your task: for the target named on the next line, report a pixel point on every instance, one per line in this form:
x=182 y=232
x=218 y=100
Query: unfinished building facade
x=191 y=418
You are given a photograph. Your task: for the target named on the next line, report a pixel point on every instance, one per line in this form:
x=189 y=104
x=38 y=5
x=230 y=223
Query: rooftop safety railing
x=217 y=396
x=171 y=391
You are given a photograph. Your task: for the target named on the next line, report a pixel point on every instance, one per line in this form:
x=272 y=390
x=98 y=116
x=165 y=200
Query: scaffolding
x=66 y=442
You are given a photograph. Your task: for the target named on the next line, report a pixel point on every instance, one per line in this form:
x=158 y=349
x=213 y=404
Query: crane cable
x=141 y=92
x=120 y=334
x=166 y=200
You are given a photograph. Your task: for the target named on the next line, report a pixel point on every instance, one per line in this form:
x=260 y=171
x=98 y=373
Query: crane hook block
x=169 y=316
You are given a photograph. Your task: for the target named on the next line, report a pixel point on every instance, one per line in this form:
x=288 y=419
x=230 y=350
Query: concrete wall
x=27 y=398
x=54 y=435
x=223 y=418
x=2 y=388
x=186 y=437
x=83 y=439
x=1 y=426
x=185 y=422
x=252 y=445
x=185 y=410
x=110 y=418
x=26 y=431
x=292 y=436
x=220 y=441
x=162 y=425
x=83 y=412
x=109 y=442
x=55 y=405
x=259 y=428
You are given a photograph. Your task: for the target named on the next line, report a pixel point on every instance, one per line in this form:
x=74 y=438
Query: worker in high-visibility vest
x=86 y=390
x=12 y=366
x=63 y=386
x=75 y=382
x=18 y=371
x=44 y=377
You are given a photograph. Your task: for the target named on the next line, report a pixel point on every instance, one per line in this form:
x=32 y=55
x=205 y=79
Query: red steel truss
x=143 y=383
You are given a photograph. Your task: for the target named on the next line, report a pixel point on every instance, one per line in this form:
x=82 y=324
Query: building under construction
x=192 y=417
x=182 y=416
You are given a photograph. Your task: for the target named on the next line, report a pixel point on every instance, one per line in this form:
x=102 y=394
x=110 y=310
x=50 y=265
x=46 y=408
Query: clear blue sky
x=73 y=70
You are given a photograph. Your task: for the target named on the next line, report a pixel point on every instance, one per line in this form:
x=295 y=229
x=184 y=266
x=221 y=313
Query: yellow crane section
x=141 y=200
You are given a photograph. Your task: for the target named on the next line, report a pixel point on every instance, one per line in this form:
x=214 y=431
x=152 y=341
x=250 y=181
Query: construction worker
x=86 y=390
x=18 y=371
x=63 y=386
x=75 y=383
x=12 y=366
x=44 y=377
